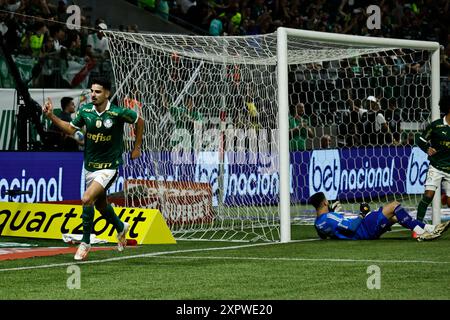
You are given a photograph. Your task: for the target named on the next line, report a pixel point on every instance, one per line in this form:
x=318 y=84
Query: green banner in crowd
x=24 y=65
x=8 y=136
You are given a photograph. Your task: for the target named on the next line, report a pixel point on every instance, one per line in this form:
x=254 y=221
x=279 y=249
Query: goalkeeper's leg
x=397 y=214
x=406 y=220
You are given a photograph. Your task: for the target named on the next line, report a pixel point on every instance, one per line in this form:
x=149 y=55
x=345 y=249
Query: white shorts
x=434 y=179
x=105 y=177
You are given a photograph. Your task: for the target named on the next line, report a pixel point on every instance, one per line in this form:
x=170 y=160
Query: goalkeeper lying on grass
x=369 y=225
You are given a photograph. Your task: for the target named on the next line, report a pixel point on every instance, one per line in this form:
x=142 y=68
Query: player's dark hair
x=316 y=199
x=444 y=104
x=65 y=102
x=105 y=83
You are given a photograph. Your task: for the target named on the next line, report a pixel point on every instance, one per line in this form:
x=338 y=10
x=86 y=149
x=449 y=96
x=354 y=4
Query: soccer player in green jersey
x=104 y=124
x=299 y=129
x=435 y=141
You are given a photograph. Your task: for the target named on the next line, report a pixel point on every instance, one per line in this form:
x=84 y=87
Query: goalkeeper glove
x=335 y=206
x=364 y=209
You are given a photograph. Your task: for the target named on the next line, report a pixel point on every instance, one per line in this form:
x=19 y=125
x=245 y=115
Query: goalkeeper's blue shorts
x=373 y=225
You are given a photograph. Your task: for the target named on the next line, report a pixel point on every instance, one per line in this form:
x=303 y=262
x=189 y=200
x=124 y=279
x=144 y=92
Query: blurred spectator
x=410 y=139
x=32 y=42
x=299 y=128
x=325 y=141
x=393 y=118
x=13 y=5
x=216 y=25
x=61 y=10
x=352 y=127
x=67 y=109
x=163 y=9
x=58 y=34
x=147 y=4
x=97 y=43
x=73 y=45
x=159 y=7
x=37 y=8
x=234 y=18
x=445 y=62
x=75 y=67
x=186 y=117
x=375 y=128
x=66 y=142
x=133 y=28
x=252 y=104
x=258 y=9
x=3 y=25
x=185 y=5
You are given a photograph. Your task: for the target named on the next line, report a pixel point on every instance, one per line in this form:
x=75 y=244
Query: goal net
x=211 y=152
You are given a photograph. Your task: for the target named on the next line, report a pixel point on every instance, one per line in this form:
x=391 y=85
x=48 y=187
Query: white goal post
x=212 y=105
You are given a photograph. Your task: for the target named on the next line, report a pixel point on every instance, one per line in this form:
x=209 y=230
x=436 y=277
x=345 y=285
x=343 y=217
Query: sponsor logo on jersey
x=98 y=137
x=98 y=123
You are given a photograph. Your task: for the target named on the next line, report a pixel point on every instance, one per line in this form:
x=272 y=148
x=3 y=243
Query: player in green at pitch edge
x=435 y=142
x=103 y=150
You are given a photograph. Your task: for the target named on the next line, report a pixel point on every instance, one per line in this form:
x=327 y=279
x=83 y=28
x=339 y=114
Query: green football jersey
x=298 y=141
x=104 y=135
x=437 y=136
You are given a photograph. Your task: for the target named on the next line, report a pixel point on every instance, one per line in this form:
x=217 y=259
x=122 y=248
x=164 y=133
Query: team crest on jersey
x=107 y=123
x=98 y=123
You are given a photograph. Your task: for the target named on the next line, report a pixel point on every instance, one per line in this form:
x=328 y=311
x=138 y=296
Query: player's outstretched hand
x=48 y=107
x=335 y=207
x=364 y=209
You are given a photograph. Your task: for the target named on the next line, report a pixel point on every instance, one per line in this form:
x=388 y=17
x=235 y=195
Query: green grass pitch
x=308 y=269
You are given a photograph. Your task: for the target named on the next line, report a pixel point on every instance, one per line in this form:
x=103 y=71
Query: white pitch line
x=305 y=259
x=148 y=255
x=157 y=254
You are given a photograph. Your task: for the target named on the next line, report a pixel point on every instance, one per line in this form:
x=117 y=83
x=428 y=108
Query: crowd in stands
x=65 y=55
x=46 y=35
x=37 y=28
x=405 y=19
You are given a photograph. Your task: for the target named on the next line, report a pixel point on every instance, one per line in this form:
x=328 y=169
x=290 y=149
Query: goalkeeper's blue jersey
x=336 y=226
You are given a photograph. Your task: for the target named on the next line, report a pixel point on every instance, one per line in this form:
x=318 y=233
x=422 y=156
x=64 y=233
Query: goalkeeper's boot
x=82 y=251
x=428 y=236
x=414 y=235
x=121 y=237
x=441 y=227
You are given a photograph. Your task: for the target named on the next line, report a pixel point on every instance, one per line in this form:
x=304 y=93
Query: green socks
x=422 y=207
x=112 y=218
x=88 y=221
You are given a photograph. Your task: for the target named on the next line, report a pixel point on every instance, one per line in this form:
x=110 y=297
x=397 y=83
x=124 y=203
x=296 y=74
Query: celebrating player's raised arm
x=63 y=125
